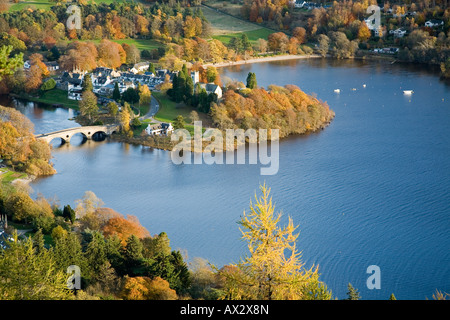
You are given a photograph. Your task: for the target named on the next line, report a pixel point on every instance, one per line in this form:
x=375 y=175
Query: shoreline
x=263 y=59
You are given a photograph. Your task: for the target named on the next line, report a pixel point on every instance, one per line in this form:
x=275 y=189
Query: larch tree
x=88 y=105
x=273 y=270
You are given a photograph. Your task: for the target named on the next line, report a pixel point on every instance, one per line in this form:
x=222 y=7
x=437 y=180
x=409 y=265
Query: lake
x=373 y=188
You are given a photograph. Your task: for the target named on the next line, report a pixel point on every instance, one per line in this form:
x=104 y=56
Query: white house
x=398 y=33
x=140 y=67
x=434 y=23
x=212 y=88
x=159 y=129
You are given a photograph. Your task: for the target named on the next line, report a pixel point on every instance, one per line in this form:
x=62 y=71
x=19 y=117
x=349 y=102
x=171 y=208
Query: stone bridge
x=88 y=131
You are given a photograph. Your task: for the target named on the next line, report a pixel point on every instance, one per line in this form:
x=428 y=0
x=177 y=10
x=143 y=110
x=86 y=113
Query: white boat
x=364 y=85
x=408 y=91
x=337 y=90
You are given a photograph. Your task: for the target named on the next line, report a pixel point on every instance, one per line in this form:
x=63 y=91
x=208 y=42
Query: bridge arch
x=87 y=133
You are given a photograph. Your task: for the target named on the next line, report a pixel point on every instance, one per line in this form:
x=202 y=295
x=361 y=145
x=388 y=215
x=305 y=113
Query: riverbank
x=263 y=59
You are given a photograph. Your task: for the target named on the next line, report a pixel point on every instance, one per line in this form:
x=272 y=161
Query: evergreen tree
x=116 y=92
x=151 y=68
x=188 y=90
x=251 y=80
x=26 y=274
x=95 y=253
x=69 y=213
x=132 y=255
x=203 y=100
x=246 y=44
x=352 y=293
x=55 y=54
x=38 y=242
x=180 y=87
x=87 y=83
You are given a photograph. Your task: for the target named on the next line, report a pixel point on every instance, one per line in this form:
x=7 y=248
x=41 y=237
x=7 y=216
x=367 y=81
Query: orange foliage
x=124 y=228
x=144 y=288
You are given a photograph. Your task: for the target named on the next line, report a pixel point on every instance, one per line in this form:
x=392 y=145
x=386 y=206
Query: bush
x=48 y=85
x=136 y=123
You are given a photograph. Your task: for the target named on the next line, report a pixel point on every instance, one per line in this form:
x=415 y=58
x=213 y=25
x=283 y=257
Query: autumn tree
x=110 y=54
x=79 y=56
x=88 y=105
x=273 y=270
x=112 y=108
x=300 y=34
x=278 y=41
x=9 y=64
x=123 y=228
x=145 y=288
x=145 y=95
x=133 y=55
x=364 y=32
x=125 y=118
x=324 y=43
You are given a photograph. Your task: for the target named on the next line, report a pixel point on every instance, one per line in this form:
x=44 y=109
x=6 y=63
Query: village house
x=52 y=66
x=159 y=129
x=398 y=33
x=211 y=88
x=434 y=23
x=140 y=67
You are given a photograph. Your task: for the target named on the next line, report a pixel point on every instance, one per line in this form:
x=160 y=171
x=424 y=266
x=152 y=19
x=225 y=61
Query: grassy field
x=35 y=4
x=224 y=24
x=253 y=35
x=7 y=176
x=225 y=27
x=56 y=96
x=47 y=4
x=169 y=110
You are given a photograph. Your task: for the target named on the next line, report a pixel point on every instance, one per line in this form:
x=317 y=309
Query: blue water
x=370 y=189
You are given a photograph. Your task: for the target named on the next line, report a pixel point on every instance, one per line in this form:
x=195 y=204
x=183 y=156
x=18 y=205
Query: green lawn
x=47 y=4
x=141 y=44
x=7 y=176
x=168 y=109
x=35 y=4
x=56 y=96
x=253 y=35
x=225 y=24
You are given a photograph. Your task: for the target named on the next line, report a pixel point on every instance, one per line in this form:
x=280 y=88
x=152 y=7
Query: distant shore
x=263 y=59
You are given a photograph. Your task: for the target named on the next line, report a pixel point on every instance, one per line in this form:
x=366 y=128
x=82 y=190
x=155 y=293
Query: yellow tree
x=273 y=270
x=145 y=95
x=364 y=32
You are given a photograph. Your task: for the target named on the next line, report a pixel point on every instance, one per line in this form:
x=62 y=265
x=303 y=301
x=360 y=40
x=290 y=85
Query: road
x=154 y=107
